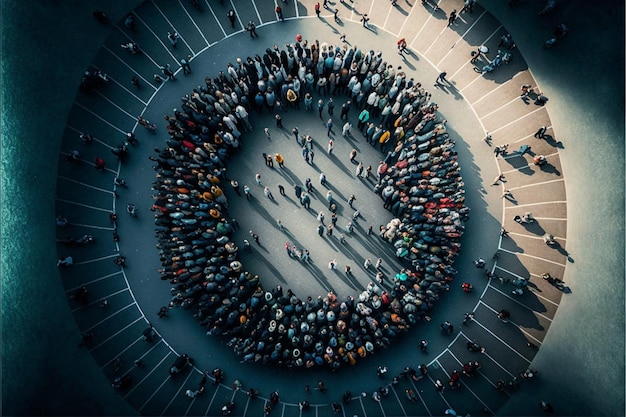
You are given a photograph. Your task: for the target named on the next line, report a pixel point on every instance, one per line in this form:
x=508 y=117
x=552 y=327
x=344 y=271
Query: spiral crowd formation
x=418 y=180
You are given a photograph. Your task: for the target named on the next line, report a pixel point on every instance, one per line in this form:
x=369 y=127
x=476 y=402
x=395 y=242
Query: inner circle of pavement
x=437 y=99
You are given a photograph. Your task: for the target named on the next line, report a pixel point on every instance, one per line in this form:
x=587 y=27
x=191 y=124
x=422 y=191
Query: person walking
x=352 y=155
x=231 y=17
x=298 y=190
x=252 y=29
x=268 y=193
x=367 y=263
x=165 y=69
x=329 y=230
x=279 y=13
x=346 y=130
x=541 y=133
x=255 y=237
x=345 y=108
x=359 y=170
x=320 y=230
x=280 y=225
x=379 y=263
x=452 y=17
x=279 y=121
x=246 y=191
x=364 y=20
x=336 y=15
x=331 y=145
x=351 y=200
x=442 y=77
x=257 y=179
x=320 y=217
x=280 y=160
x=317 y=9
x=329 y=125
x=281 y=189
x=295 y=132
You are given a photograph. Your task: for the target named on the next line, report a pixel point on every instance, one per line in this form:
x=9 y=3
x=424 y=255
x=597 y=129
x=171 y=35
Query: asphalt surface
x=124 y=316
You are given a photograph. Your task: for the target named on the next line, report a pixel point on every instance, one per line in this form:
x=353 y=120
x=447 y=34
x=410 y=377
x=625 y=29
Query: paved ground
x=497 y=109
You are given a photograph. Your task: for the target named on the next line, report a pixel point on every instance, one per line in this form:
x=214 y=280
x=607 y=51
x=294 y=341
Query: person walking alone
x=329 y=125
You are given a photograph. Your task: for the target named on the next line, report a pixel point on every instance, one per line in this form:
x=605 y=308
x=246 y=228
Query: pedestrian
x=311 y=156
x=345 y=108
x=336 y=15
x=379 y=263
x=320 y=108
x=439 y=386
x=541 y=133
x=497 y=179
x=329 y=125
x=329 y=197
x=257 y=179
x=369 y=230
x=504 y=315
x=173 y=37
x=323 y=179
x=268 y=193
x=402 y=45
x=165 y=69
x=329 y=230
x=364 y=20
x=331 y=145
x=231 y=17
x=342 y=239
x=546 y=407
x=345 y=131
x=288 y=249
x=295 y=133
x=135 y=81
x=246 y=191
x=452 y=17
x=184 y=63
x=331 y=106
x=255 y=237
x=308 y=185
x=442 y=77
x=281 y=189
x=252 y=29
x=351 y=200
x=320 y=217
x=280 y=159
x=359 y=170
x=317 y=9
x=298 y=190
x=367 y=263
x=246 y=245
x=99 y=164
x=368 y=171
x=424 y=345
x=347 y=269
x=279 y=121
x=504 y=232
x=279 y=13
x=320 y=230
x=333 y=219
x=352 y=155
x=332 y=264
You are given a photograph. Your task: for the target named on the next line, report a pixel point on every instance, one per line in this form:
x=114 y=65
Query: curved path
x=87 y=198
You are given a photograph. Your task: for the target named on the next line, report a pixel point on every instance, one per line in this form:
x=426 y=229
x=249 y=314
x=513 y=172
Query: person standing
x=279 y=13
x=320 y=108
x=280 y=225
x=281 y=189
x=331 y=106
x=231 y=17
x=279 y=121
x=317 y=9
x=345 y=108
x=279 y=158
x=322 y=178
x=320 y=230
x=295 y=132
x=173 y=37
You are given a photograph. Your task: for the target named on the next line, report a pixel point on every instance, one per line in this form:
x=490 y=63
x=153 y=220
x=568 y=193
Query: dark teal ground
x=45 y=47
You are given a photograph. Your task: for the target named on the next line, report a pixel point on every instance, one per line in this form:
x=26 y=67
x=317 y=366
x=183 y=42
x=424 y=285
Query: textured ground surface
x=473 y=104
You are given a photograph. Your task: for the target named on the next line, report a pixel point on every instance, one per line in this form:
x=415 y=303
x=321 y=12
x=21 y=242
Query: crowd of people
x=418 y=180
